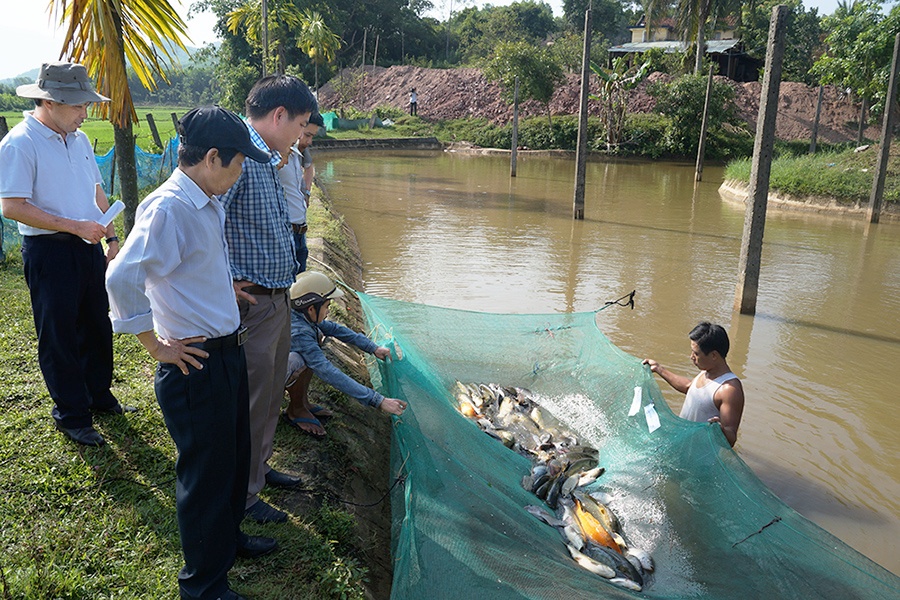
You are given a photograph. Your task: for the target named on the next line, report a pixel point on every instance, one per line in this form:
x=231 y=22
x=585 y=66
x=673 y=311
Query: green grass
x=99 y=523
x=844 y=175
x=100 y=132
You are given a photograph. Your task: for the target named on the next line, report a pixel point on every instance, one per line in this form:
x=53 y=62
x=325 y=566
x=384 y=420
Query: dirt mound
x=457 y=93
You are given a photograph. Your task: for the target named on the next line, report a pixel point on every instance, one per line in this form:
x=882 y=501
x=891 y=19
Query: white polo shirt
x=58 y=176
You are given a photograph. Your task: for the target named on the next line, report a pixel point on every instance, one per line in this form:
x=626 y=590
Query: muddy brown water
x=819 y=361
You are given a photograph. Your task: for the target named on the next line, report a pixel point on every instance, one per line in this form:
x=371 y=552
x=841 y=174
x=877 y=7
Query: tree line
x=129 y=46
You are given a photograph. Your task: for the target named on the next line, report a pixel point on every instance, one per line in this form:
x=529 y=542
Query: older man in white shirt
x=173 y=274
x=50 y=184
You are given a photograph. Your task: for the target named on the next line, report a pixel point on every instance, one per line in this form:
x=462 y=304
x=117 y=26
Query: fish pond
x=818 y=361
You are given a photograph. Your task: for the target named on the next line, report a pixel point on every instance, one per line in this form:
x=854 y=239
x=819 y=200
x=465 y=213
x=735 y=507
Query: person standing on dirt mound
x=413 y=103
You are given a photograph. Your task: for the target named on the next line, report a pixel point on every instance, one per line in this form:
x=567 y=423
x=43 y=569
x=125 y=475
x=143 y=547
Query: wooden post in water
x=581 y=151
x=761 y=167
x=874 y=212
x=513 y=156
x=701 y=147
x=815 y=131
x=154 y=132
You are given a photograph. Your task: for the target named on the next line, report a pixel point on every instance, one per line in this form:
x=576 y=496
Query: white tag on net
x=636 y=403
x=652 y=418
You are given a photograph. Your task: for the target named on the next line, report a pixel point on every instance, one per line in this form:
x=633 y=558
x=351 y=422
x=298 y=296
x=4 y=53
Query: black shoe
x=118 y=409
x=86 y=436
x=281 y=480
x=228 y=594
x=254 y=546
x=265 y=513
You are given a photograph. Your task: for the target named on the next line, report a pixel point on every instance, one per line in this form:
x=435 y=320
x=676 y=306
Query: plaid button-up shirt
x=257 y=225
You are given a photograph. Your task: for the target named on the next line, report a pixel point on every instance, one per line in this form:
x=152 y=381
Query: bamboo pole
x=701 y=146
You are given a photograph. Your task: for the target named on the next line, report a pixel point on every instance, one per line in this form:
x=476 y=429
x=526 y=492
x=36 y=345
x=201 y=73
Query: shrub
x=682 y=101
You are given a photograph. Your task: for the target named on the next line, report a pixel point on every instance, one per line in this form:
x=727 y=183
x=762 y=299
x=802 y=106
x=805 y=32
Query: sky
x=28 y=39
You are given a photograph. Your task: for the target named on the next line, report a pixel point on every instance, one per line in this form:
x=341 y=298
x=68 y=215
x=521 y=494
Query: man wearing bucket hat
x=173 y=278
x=50 y=184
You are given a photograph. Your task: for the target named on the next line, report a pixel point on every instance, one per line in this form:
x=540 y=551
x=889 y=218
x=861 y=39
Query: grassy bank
x=98 y=523
x=844 y=175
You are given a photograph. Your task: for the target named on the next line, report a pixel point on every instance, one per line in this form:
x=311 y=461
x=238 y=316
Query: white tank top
x=699 y=404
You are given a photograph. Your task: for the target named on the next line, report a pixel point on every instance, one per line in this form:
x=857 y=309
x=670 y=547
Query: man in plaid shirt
x=263 y=267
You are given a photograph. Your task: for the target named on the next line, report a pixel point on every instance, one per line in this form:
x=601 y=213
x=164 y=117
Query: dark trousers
x=413 y=109
x=207 y=414
x=66 y=278
x=301 y=249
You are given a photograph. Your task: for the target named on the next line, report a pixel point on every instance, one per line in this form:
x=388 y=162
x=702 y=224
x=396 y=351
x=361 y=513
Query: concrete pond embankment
x=735 y=192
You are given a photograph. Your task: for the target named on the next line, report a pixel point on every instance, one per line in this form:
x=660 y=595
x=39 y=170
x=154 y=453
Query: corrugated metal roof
x=712 y=46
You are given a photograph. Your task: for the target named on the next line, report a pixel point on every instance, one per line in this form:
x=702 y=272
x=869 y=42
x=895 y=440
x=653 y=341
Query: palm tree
x=106 y=36
x=317 y=41
x=283 y=20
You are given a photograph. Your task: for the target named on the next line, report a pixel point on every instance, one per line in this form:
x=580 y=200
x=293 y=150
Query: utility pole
x=581 y=151
x=761 y=167
x=515 y=132
x=874 y=212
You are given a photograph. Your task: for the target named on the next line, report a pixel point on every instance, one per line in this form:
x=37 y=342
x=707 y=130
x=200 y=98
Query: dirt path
x=457 y=93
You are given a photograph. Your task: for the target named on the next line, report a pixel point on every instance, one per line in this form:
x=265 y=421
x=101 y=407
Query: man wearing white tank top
x=715 y=395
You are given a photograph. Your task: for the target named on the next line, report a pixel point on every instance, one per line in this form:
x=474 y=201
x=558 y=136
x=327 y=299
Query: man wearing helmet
x=311 y=295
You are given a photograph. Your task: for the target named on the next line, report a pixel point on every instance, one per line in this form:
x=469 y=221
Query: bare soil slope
x=464 y=92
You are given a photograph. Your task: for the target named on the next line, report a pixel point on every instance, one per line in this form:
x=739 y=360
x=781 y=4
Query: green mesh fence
x=459 y=526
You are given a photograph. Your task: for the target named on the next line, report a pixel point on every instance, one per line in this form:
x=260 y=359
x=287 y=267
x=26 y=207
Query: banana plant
x=614 y=85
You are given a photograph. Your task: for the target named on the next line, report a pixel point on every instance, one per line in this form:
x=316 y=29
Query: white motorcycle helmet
x=312 y=288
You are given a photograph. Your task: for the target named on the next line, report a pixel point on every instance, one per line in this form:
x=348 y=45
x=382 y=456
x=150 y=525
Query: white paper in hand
x=114 y=210
x=636 y=403
x=652 y=417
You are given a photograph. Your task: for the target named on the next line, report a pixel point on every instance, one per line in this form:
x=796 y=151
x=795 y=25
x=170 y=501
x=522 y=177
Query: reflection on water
x=818 y=361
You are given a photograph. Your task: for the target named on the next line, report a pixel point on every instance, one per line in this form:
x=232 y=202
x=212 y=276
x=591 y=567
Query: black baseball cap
x=214 y=127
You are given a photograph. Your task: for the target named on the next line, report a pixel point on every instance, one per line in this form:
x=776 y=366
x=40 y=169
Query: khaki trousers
x=268 y=326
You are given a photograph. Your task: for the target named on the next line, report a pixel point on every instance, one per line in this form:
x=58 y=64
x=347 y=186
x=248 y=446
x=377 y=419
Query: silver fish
x=588 y=563
x=543 y=515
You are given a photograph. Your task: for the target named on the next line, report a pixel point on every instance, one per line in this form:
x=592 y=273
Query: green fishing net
x=680 y=492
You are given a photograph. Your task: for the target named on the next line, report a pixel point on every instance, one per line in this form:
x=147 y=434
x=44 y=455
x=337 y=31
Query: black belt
x=258 y=290
x=57 y=237
x=226 y=341
x=299 y=228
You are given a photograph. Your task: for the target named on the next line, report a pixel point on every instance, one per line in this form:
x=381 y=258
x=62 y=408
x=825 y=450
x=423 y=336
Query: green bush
x=644 y=135
x=682 y=101
x=539 y=134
